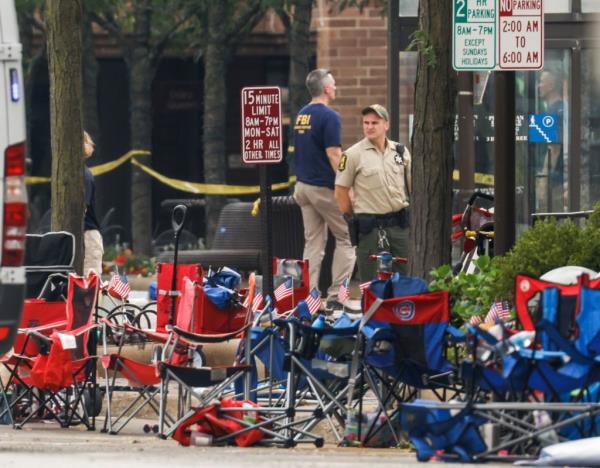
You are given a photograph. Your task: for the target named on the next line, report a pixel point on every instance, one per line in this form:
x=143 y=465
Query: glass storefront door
x=590 y=128
x=549 y=136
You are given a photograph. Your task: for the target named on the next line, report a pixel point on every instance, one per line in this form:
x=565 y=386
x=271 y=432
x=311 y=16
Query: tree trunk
x=141 y=74
x=90 y=85
x=215 y=97
x=64 y=63
x=435 y=94
x=300 y=55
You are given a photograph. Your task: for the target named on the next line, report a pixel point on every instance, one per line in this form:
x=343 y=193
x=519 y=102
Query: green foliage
x=421 y=41
x=549 y=244
x=470 y=294
x=588 y=248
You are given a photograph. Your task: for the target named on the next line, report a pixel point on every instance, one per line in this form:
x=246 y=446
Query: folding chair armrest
x=563 y=344
x=482 y=334
x=455 y=335
x=81 y=330
x=40 y=336
x=195 y=338
x=152 y=335
x=42 y=328
x=543 y=355
x=111 y=325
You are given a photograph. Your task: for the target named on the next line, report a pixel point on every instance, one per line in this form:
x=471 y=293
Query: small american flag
x=364 y=286
x=499 y=310
x=313 y=301
x=246 y=303
x=344 y=292
x=475 y=320
x=118 y=287
x=284 y=290
x=258 y=301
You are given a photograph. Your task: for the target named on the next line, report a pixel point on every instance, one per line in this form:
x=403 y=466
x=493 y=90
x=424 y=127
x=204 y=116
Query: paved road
x=48 y=446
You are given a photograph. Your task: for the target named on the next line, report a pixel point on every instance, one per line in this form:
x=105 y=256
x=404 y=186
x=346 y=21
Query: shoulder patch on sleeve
x=342 y=164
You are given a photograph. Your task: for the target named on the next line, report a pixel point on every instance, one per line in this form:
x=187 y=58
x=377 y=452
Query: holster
x=353 y=230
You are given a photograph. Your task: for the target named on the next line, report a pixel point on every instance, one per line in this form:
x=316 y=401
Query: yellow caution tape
x=30 y=180
x=256 y=207
x=112 y=165
x=480 y=178
x=191 y=187
x=209 y=189
x=95 y=170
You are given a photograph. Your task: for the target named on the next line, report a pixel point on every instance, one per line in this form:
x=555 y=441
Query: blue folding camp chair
x=402 y=346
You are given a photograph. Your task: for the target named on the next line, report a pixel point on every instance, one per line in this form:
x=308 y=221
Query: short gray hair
x=317 y=80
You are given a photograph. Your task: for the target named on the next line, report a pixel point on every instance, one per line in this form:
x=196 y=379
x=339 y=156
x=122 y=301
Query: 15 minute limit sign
x=261 y=125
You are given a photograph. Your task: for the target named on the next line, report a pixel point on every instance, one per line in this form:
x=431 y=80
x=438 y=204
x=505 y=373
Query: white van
x=13 y=193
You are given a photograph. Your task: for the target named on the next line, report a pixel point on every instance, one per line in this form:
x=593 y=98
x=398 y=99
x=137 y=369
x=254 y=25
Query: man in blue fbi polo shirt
x=317 y=149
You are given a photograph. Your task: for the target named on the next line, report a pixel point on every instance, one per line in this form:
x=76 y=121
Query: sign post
x=500 y=35
x=262 y=144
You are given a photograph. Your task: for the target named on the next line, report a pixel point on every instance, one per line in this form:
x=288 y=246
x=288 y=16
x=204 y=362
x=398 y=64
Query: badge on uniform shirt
x=342 y=164
x=398 y=159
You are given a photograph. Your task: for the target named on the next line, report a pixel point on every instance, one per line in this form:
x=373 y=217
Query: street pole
x=394 y=68
x=504 y=179
x=266 y=256
x=466 y=137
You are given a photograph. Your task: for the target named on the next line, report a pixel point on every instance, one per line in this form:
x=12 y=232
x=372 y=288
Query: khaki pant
x=369 y=245
x=93 y=251
x=319 y=212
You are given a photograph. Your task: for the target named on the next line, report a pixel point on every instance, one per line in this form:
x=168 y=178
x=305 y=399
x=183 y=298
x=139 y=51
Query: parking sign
x=261 y=125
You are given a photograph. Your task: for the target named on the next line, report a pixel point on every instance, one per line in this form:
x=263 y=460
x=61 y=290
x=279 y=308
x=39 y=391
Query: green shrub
x=470 y=294
x=549 y=244
x=588 y=253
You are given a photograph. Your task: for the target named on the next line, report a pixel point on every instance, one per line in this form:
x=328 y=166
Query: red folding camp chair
x=143 y=378
x=63 y=372
x=42 y=317
x=204 y=383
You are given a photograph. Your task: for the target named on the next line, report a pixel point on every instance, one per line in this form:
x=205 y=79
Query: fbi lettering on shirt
x=302 y=123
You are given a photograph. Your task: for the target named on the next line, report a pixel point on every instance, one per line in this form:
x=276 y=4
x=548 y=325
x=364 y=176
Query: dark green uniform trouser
x=368 y=245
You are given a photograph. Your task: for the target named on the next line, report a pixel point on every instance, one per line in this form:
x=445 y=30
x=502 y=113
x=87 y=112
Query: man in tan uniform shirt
x=378 y=171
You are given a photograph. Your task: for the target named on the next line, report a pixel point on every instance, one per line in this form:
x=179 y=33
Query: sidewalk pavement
x=49 y=446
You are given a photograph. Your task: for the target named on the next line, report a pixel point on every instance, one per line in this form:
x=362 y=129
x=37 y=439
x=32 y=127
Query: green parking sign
x=474 y=34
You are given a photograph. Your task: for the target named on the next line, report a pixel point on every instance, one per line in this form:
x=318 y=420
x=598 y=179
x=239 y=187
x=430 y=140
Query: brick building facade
x=353 y=46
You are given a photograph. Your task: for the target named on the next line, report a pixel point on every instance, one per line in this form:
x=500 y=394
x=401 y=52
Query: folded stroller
x=48 y=260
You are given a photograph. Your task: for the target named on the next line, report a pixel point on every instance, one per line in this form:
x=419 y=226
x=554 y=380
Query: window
x=590 y=129
x=590 y=6
x=559 y=6
x=409 y=7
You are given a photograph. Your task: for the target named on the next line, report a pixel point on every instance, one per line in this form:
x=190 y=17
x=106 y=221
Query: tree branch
x=109 y=24
x=159 y=47
x=244 y=23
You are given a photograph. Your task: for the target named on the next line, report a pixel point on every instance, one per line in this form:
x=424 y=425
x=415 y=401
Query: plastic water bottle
x=200 y=439
x=384 y=262
x=542 y=419
x=249 y=416
x=319 y=322
x=351 y=431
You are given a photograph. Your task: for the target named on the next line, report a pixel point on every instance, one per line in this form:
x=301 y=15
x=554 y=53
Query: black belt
x=368 y=222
